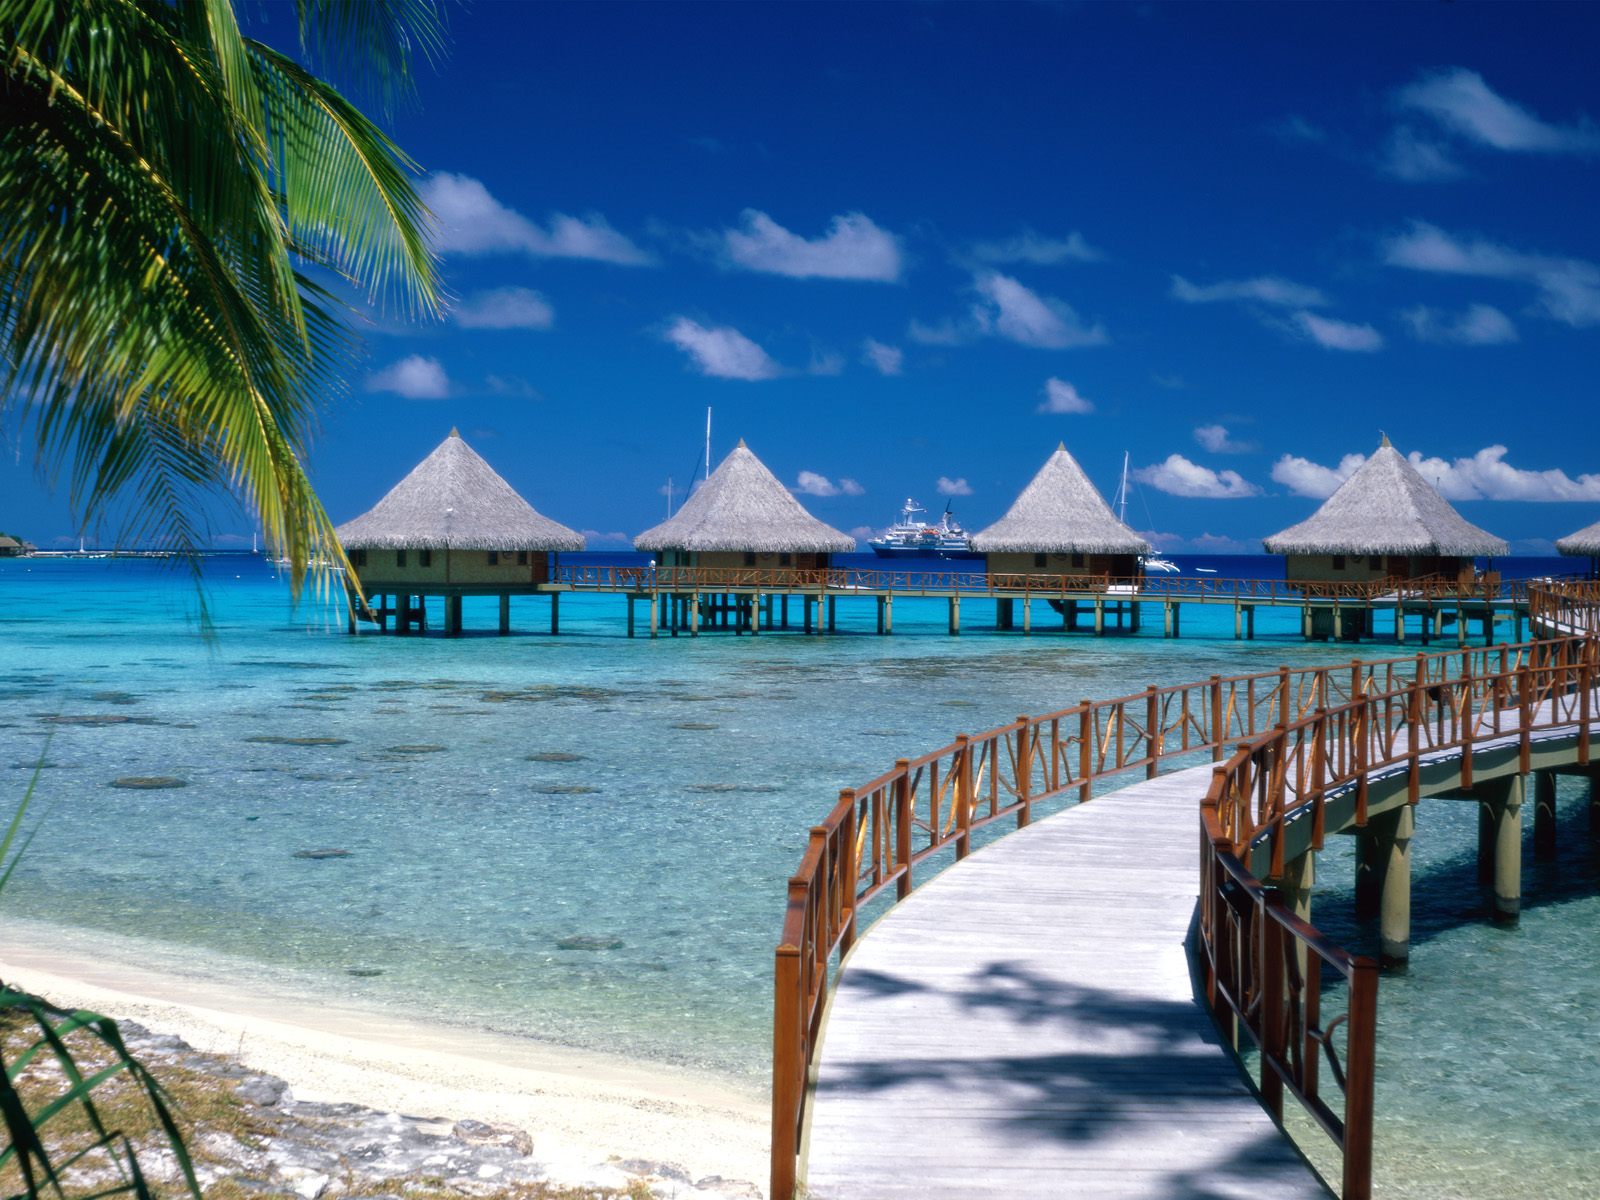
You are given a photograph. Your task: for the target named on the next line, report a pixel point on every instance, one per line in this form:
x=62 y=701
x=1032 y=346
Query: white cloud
x=1463 y=104
x=605 y=535
x=1218 y=440
x=512 y=385
x=1264 y=289
x=825 y=362
x=505 y=308
x=414 y=377
x=1338 y=335
x=722 y=352
x=1180 y=477
x=1483 y=476
x=1010 y=310
x=1410 y=156
x=885 y=359
x=1569 y=288
x=1036 y=249
x=1306 y=478
x=954 y=487
x=1295 y=128
x=946 y=333
x=1061 y=397
x=812 y=484
x=1479 y=325
x=471 y=221
x=853 y=248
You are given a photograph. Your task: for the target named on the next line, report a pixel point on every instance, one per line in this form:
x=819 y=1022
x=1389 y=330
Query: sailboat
x=1149 y=562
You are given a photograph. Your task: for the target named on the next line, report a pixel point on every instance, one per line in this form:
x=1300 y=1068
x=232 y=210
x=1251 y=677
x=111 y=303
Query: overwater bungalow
x=1584 y=544
x=1386 y=522
x=1061 y=526
x=10 y=547
x=743 y=517
x=452 y=528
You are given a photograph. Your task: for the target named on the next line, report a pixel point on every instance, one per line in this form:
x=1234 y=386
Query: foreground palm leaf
x=167 y=184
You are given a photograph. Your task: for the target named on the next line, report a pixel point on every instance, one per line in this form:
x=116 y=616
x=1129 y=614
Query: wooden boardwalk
x=1026 y=1026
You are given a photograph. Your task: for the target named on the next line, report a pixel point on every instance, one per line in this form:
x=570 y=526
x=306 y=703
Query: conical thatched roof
x=454 y=500
x=1386 y=507
x=1060 y=512
x=1585 y=542
x=744 y=507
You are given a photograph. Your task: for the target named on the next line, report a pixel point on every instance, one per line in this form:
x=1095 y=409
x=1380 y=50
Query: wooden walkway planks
x=1025 y=1026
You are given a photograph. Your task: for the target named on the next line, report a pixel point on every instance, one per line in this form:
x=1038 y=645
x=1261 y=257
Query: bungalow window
x=785 y=559
x=494 y=558
x=522 y=558
x=358 y=558
x=1338 y=562
x=399 y=558
x=749 y=560
x=1038 y=560
x=1375 y=561
x=1077 y=560
x=424 y=558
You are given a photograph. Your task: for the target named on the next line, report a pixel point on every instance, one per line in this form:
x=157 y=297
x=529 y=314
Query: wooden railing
x=843 y=580
x=1306 y=733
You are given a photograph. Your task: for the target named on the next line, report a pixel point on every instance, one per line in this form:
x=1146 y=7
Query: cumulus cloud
x=1412 y=156
x=853 y=248
x=471 y=221
x=1295 y=128
x=1479 y=325
x=1061 y=397
x=414 y=377
x=721 y=352
x=605 y=535
x=1461 y=103
x=1263 y=289
x=1338 y=335
x=946 y=333
x=1008 y=309
x=1306 y=478
x=505 y=308
x=1568 y=288
x=1180 y=477
x=1035 y=249
x=882 y=358
x=1482 y=476
x=1218 y=440
x=810 y=483
x=954 y=487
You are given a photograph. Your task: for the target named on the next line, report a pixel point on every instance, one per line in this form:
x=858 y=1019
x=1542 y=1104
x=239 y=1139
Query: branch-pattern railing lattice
x=1301 y=735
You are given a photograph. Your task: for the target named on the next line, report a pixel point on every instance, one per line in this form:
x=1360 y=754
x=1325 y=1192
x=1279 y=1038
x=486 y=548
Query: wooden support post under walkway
x=1544 y=815
x=1027 y=616
x=555 y=613
x=1383 y=879
x=505 y=613
x=694 y=615
x=1500 y=843
x=955 y=616
x=1099 y=618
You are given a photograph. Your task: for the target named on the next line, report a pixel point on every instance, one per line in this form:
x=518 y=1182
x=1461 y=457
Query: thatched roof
x=9 y=543
x=1585 y=542
x=744 y=507
x=1386 y=507
x=1060 y=512
x=454 y=500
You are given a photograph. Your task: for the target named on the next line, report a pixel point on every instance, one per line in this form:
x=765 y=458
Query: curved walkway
x=1026 y=1026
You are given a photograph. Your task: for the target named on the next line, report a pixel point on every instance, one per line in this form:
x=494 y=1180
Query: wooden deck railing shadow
x=1302 y=735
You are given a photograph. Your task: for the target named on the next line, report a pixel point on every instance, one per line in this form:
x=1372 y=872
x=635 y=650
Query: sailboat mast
x=708 y=441
x=1122 y=492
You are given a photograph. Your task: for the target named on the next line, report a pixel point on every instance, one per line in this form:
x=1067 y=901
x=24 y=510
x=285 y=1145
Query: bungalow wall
x=421 y=570
x=1072 y=566
x=739 y=560
x=1364 y=568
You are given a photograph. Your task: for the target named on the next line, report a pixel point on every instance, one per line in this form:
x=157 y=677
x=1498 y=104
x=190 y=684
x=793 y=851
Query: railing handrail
x=1043 y=584
x=868 y=840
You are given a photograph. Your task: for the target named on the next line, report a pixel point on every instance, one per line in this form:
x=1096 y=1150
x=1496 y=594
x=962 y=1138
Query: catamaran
x=1150 y=562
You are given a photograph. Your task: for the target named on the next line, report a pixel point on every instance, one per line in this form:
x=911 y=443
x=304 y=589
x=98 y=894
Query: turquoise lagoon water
x=583 y=839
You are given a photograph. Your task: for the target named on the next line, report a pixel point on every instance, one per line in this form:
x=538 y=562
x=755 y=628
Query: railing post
x=1085 y=749
x=1273 y=1026
x=1283 y=696
x=1025 y=738
x=1585 y=684
x=1360 y=1072
x=846 y=868
x=1524 y=718
x=788 y=1071
x=1414 y=726
x=903 y=812
x=964 y=798
x=1152 y=730
x=1217 y=732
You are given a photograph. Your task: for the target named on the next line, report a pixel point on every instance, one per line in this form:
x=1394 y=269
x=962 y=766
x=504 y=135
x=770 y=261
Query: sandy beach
x=581 y=1109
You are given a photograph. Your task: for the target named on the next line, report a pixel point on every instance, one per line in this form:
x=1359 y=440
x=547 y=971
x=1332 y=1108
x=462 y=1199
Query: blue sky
x=903 y=250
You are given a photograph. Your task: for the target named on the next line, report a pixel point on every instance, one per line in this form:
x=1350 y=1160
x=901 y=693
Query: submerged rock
x=364 y=972
x=555 y=756
x=148 y=783
x=589 y=941
x=324 y=853
x=720 y=788
x=418 y=748
x=273 y=739
x=566 y=789
x=693 y=725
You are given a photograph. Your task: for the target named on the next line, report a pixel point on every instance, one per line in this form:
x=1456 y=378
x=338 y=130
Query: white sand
x=580 y=1108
